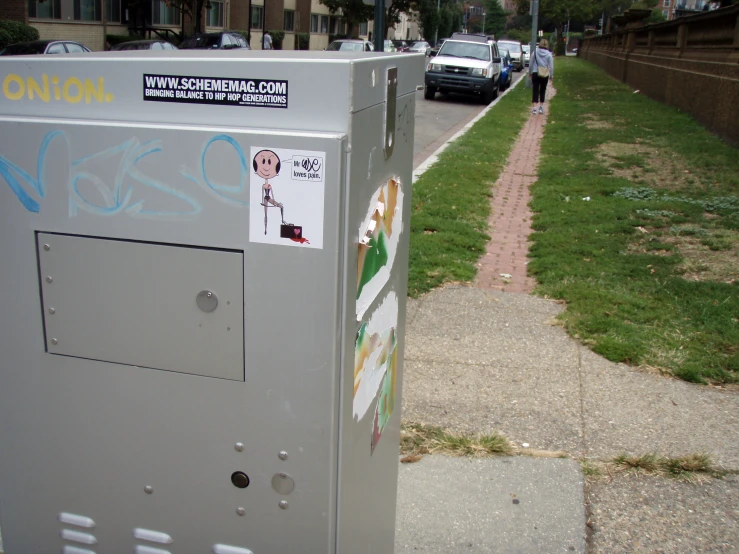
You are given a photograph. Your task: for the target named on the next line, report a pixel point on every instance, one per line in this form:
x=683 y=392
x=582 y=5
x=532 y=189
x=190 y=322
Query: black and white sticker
x=225 y=91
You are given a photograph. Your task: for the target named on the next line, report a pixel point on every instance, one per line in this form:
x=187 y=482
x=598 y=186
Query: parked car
x=506 y=69
x=350 y=45
x=44 y=47
x=467 y=64
x=515 y=50
x=215 y=41
x=420 y=46
x=526 y=53
x=145 y=45
x=401 y=45
x=435 y=49
x=389 y=46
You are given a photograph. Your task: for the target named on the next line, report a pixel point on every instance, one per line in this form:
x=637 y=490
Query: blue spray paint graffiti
x=111 y=200
x=11 y=172
x=225 y=192
x=120 y=197
x=92 y=193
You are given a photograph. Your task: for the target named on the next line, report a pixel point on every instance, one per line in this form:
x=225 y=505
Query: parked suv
x=515 y=50
x=215 y=41
x=467 y=64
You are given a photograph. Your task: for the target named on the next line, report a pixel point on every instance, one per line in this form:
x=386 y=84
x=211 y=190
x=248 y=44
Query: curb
x=433 y=158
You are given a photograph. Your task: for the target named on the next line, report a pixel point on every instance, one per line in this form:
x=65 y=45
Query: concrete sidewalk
x=480 y=360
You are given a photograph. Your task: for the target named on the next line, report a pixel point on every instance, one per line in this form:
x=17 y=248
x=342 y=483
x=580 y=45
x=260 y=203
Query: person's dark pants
x=540 y=87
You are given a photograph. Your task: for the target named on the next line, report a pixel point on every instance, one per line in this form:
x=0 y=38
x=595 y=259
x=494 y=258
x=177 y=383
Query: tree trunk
x=199 y=5
x=559 y=49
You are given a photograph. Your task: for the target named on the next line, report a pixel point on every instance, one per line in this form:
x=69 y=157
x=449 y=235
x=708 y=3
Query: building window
x=161 y=14
x=324 y=24
x=289 y=20
x=215 y=14
x=313 y=23
x=257 y=14
x=336 y=26
x=667 y=4
x=363 y=29
x=113 y=11
x=87 y=10
x=51 y=9
x=666 y=13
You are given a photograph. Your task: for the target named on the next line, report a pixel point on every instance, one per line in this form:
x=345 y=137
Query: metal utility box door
x=202 y=310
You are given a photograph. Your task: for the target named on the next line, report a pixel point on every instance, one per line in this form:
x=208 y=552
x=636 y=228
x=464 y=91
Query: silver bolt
x=239 y=446
x=148 y=489
x=47 y=247
x=210 y=294
x=52 y=310
x=282 y=455
x=241 y=511
x=54 y=341
x=49 y=279
x=283 y=504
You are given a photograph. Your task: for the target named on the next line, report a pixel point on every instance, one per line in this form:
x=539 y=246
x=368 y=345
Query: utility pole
x=534 y=28
x=379 y=26
x=483 y=22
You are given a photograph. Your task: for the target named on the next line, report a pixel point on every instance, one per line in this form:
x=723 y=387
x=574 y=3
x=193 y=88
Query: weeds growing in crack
x=417 y=440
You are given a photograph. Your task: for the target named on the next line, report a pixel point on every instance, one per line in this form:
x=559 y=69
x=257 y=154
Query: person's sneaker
x=541 y=109
x=533 y=110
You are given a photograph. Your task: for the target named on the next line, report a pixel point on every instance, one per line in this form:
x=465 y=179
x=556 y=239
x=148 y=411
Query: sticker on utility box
x=286 y=190
x=219 y=91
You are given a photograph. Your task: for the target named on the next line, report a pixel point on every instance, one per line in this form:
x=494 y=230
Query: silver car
x=421 y=46
x=350 y=45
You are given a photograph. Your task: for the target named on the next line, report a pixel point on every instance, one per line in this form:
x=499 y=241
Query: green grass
x=649 y=266
x=451 y=201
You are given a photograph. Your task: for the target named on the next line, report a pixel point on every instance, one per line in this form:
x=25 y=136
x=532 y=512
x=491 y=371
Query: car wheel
x=429 y=93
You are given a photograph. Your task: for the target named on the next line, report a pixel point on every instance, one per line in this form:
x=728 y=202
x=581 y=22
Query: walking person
x=267 y=41
x=541 y=70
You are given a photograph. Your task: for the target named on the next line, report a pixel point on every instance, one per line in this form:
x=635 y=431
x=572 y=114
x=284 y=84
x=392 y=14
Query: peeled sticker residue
x=375 y=354
x=379 y=236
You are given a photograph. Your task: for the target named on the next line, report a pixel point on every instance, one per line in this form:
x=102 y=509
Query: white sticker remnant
x=286 y=191
x=375 y=352
x=379 y=236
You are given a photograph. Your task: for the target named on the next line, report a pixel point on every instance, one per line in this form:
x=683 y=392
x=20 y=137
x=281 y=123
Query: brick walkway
x=503 y=266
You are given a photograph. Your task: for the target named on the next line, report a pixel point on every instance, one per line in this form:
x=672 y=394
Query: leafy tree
x=353 y=12
x=393 y=9
x=520 y=35
x=193 y=9
x=655 y=17
x=559 y=12
x=495 y=18
x=428 y=18
x=445 y=22
x=450 y=19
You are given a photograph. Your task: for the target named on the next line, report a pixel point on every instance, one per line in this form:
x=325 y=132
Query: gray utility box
x=202 y=310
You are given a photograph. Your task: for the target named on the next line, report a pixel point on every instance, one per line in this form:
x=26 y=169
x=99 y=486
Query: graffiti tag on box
x=226 y=91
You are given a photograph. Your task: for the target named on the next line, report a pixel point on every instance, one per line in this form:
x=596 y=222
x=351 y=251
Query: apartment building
x=89 y=21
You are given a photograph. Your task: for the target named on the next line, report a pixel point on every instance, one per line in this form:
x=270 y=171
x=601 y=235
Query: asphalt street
x=439 y=119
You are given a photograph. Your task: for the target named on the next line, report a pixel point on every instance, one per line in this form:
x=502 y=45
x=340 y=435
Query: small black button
x=240 y=479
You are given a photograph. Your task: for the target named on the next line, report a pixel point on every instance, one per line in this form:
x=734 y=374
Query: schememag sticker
x=225 y=91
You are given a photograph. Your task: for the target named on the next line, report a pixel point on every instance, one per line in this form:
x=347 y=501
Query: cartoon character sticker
x=293 y=182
